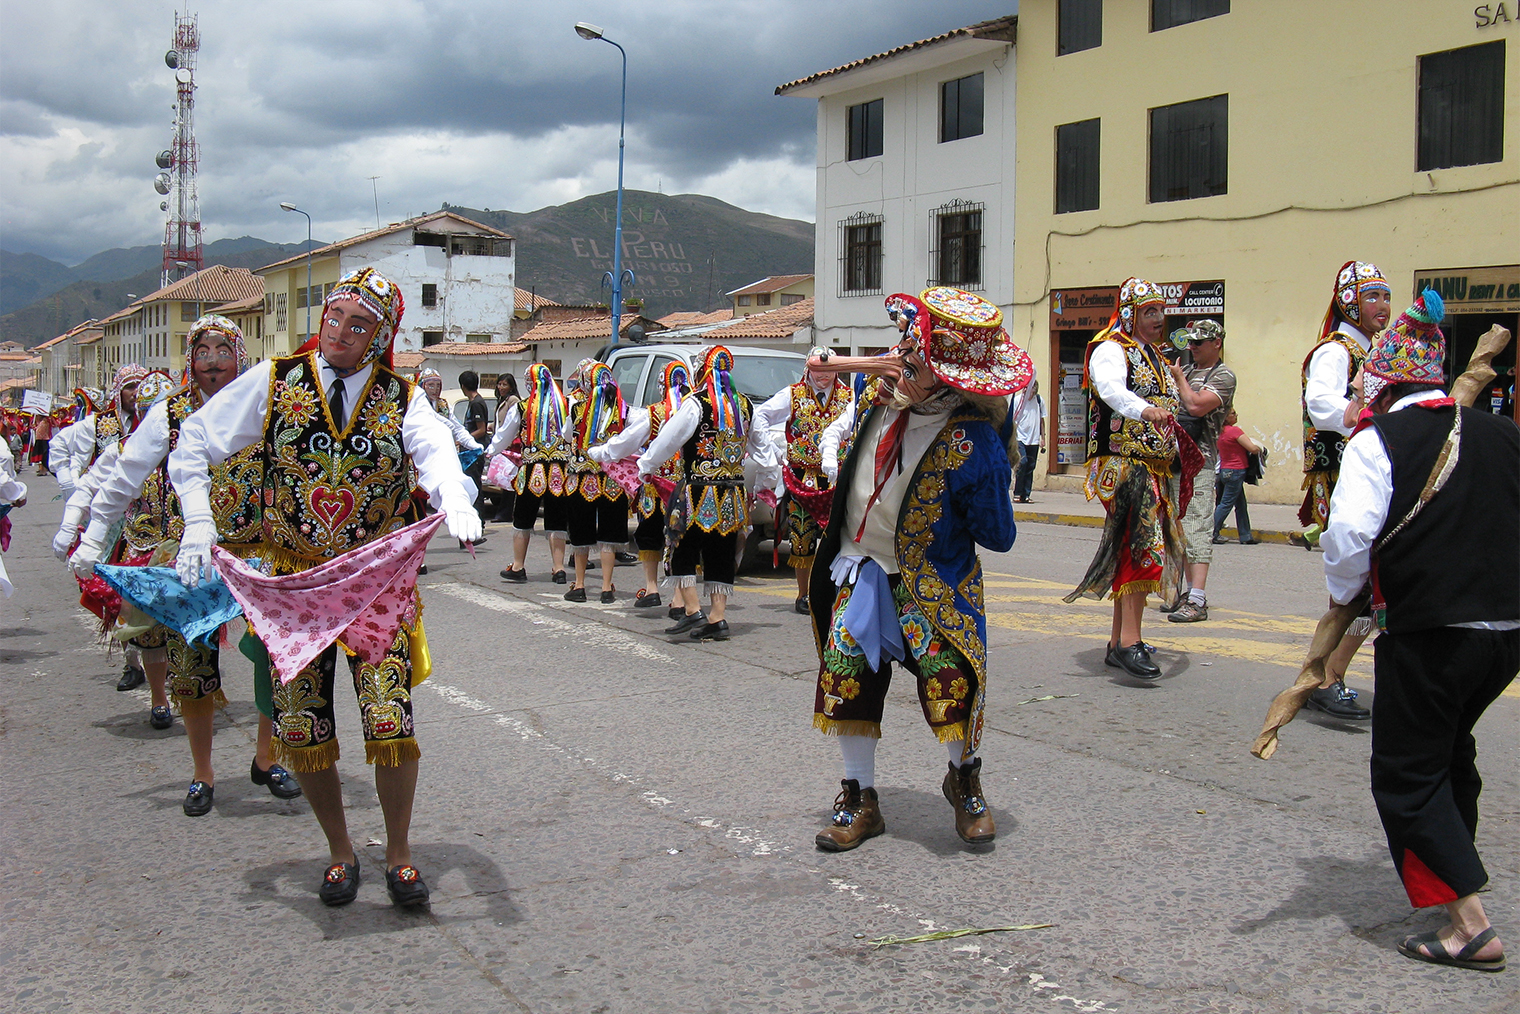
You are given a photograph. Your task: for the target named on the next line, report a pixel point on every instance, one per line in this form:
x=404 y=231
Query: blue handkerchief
x=195 y=613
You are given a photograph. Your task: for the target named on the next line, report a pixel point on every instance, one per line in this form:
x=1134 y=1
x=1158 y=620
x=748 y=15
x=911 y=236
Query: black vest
x=1458 y=561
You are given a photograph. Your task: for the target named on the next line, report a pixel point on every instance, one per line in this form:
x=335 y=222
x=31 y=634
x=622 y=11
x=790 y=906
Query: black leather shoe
x=160 y=718
x=609 y=597
x=282 y=784
x=647 y=598
x=515 y=576
x=340 y=884
x=406 y=887
x=711 y=632
x=478 y=542
x=1135 y=661
x=1108 y=657
x=558 y=577
x=575 y=595
x=624 y=559
x=687 y=621
x=1338 y=702
x=422 y=570
x=198 y=799
x=131 y=678
x=676 y=612
x=1250 y=542
x=801 y=605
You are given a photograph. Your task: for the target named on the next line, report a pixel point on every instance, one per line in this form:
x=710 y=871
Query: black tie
x=335 y=402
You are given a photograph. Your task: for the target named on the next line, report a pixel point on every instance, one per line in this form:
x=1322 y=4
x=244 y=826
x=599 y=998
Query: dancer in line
x=925 y=481
x=139 y=485
x=1427 y=507
x=539 y=422
x=345 y=440
x=1132 y=442
x=597 y=512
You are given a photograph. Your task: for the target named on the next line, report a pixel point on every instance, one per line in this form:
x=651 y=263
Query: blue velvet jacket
x=957 y=499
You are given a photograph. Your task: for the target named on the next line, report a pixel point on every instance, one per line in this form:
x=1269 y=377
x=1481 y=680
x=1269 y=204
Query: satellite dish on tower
x=161 y=183
x=172 y=59
x=163 y=205
x=183 y=75
x=165 y=159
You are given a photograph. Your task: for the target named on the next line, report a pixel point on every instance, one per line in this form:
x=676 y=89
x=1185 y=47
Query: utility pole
x=376 y=188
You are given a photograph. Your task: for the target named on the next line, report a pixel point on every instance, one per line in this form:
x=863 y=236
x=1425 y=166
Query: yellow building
x=1245 y=156
x=122 y=342
x=248 y=315
x=771 y=292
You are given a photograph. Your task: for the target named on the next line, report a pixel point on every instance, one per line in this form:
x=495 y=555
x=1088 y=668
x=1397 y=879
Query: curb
x=1091 y=521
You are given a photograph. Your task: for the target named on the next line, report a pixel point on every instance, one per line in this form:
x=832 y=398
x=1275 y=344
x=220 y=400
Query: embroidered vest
x=1323 y=448
x=327 y=492
x=586 y=476
x=107 y=431
x=805 y=426
x=714 y=464
x=236 y=484
x=1110 y=433
x=650 y=497
x=543 y=464
x=154 y=515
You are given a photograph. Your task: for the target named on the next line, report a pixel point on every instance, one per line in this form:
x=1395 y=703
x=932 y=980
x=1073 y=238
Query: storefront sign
x=1185 y=299
x=1082 y=309
x=1473 y=290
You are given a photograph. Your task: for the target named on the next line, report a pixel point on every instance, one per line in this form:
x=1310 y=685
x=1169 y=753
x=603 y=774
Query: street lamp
x=591 y=33
x=291 y=207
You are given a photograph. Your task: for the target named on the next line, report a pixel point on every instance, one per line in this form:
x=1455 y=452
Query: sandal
x=1439 y=955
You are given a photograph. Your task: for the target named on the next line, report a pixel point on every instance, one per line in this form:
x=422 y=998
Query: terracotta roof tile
x=782 y=322
x=525 y=299
x=582 y=328
x=216 y=284
x=474 y=349
x=410 y=223
x=772 y=283
x=255 y=302
x=407 y=360
x=1001 y=29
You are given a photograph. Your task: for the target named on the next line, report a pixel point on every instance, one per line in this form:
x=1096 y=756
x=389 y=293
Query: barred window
x=429 y=294
x=860 y=255
x=280 y=314
x=955 y=229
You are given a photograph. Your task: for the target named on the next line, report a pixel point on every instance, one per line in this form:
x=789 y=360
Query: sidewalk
x=1270 y=522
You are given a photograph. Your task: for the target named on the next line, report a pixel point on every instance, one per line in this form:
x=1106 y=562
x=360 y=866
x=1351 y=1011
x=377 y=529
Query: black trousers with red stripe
x=1432 y=686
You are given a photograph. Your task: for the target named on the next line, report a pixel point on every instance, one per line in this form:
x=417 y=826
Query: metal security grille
x=860 y=255
x=955 y=256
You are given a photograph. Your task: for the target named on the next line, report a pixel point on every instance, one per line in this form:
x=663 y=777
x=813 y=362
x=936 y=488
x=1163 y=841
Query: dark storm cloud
x=285 y=85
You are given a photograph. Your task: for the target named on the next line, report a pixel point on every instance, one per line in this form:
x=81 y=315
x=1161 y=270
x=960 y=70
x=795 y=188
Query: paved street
x=612 y=822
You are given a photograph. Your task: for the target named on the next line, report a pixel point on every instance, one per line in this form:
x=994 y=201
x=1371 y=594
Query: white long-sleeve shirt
x=144 y=451
x=1359 y=510
x=11 y=488
x=833 y=436
x=62 y=451
x=506 y=430
x=679 y=428
x=462 y=438
x=624 y=444
x=879 y=538
x=235 y=419
x=1108 y=371
x=1325 y=384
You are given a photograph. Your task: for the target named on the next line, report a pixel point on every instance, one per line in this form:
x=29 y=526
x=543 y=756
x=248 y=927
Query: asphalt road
x=613 y=822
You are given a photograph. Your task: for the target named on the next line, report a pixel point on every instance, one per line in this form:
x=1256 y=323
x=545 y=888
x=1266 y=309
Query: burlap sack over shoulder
x=1332 y=626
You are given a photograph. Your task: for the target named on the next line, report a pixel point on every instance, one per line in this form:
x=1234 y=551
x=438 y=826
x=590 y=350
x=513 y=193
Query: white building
x=456 y=278
x=915 y=178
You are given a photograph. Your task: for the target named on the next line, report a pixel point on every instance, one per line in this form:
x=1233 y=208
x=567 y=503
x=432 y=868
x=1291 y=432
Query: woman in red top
x=1234 y=445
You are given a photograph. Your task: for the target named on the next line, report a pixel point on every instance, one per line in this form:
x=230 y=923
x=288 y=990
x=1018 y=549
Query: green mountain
x=685 y=250
x=101 y=285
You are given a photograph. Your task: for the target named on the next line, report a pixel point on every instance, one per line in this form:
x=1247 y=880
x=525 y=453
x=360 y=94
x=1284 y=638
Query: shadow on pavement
x=1360 y=892
x=294 y=884
x=926 y=820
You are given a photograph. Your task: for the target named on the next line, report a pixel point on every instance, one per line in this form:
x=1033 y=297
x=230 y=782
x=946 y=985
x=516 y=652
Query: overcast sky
x=484 y=103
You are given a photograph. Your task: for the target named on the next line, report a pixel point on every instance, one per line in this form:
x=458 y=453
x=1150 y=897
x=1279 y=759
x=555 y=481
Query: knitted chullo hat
x=1412 y=351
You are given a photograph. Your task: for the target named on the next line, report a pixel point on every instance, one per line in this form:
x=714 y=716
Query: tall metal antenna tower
x=182 y=233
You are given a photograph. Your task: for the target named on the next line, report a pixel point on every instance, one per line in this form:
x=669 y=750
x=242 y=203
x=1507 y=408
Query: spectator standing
x=476 y=416
x=1029 y=420
x=1207 y=391
x=508 y=404
x=1233 y=446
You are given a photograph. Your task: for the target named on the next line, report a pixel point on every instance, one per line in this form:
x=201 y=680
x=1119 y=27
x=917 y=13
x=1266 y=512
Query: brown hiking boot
x=857 y=816
x=963 y=788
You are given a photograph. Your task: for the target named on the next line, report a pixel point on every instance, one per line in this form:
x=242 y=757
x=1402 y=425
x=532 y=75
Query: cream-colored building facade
x=1323 y=128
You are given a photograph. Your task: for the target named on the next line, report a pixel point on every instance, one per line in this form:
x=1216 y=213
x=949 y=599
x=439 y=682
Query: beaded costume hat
x=1134 y=294
x=714 y=375
x=380 y=296
x=428 y=373
x=1353 y=279
x=966 y=345
x=900 y=304
x=215 y=325
x=85 y=401
x=155 y=387
x=128 y=375
x=604 y=404
x=543 y=408
x=1412 y=351
x=674 y=383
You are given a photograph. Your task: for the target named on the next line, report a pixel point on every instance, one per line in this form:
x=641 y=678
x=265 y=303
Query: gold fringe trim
x=955 y=730
x=800 y=561
x=646 y=555
x=833 y=727
x=305 y=759
x=201 y=705
x=391 y=752
x=1137 y=587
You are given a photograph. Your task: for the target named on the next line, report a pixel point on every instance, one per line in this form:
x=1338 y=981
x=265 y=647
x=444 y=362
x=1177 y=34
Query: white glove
x=830 y=467
x=66 y=532
x=460 y=515
x=195 y=551
x=599 y=454
x=91 y=548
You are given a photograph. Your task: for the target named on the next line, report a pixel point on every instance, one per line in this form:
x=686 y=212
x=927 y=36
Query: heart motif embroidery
x=333 y=507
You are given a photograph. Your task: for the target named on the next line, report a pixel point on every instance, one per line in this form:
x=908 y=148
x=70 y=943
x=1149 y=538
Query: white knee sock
x=1198 y=597
x=955 y=746
x=859 y=754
